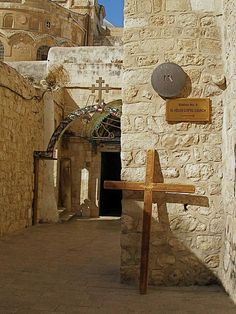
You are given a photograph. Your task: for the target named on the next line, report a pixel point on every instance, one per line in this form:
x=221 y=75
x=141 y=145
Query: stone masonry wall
x=185 y=240
x=21 y=130
x=229 y=150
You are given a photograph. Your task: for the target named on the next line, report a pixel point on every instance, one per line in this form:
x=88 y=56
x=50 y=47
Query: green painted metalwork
x=103 y=120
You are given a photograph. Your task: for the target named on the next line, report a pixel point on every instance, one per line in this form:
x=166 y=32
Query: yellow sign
x=188 y=110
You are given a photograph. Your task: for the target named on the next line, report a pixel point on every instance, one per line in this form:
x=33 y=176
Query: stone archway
x=107 y=110
x=90 y=155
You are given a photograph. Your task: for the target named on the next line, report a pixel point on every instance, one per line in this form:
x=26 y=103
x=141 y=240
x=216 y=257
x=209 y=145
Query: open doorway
x=110 y=200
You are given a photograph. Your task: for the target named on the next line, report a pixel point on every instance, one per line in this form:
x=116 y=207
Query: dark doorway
x=110 y=200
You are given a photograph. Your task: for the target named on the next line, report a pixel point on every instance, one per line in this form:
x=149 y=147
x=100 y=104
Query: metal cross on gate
x=100 y=89
x=149 y=186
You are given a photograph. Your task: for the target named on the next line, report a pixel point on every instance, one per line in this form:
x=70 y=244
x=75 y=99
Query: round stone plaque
x=168 y=79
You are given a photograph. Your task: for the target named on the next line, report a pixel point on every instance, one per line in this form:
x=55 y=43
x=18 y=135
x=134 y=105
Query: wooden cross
x=100 y=89
x=149 y=186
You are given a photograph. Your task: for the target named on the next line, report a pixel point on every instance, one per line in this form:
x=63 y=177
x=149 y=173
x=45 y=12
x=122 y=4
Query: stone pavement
x=74 y=268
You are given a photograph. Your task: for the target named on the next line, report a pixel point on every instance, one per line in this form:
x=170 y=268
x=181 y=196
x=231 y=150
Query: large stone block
x=181 y=5
x=202 y=5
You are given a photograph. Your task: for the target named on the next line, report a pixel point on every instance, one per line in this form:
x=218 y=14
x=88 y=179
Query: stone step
x=65 y=215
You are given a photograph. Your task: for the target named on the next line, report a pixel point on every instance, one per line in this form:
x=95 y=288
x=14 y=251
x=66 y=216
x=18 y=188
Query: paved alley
x=74 y=268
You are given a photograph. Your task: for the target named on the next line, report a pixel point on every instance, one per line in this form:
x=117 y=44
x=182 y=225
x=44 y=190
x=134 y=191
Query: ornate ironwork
x=107 y=130
x=66 y=123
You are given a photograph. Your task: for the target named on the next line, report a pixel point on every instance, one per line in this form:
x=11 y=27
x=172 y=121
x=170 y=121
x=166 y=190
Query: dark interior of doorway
x=110 y=200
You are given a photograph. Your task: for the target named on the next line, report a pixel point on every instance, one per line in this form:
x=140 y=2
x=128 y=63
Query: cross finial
x=100 y=88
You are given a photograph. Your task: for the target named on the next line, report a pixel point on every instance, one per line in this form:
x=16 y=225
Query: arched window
x=1 y=51
x=42 y=53
x=8 y=21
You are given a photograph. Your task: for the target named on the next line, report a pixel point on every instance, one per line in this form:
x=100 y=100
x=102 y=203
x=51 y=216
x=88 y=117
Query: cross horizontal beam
x=155 y=187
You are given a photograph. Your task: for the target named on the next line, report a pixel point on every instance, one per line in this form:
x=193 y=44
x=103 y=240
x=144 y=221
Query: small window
x=48 y=24
x=8 y=21
x=1 y=51
x=42 y=53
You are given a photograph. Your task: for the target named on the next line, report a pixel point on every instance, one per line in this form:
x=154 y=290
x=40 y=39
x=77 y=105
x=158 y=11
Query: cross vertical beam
x=147 y=217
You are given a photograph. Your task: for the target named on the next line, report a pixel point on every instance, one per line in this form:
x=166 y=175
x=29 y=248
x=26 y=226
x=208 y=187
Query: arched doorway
x=110 y=200
x=80 y=156
x=90 y=154
x=42 y=53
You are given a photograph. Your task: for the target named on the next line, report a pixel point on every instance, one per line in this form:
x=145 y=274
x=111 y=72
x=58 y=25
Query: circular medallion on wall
x=168 y=80
x=22 y=19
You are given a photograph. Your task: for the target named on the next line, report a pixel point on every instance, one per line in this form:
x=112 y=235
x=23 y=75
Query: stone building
x=28 y=29
x=193 y=239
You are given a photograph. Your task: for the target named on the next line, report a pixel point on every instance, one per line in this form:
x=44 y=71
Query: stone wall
x=229 y=150
x=186 y=240
x=80 y=162
x=83 y=67
x=35 y=71
x=21 y=133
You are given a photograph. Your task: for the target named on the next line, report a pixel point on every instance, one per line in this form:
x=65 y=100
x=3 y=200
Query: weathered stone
x=165 y=259
x=170 y=141
x=144 y=7
x=189 y=140
x=212 y=153
x=126 y=158
x=186 y=20
x=134 y=174
x=157 y=5
x=156 y=124
x=170 y=173
x=126 y=125
x=199 y=171
x=184 y=225
x=182 y=157
x=176 y=276
x=202 y=5
x=139 y=123
x=130 y=240
x=130 y=94
x=208 y=243
x=181 y=5
x=157 y=20
x=140 y=158
x=138 y=141
x=147 y=60
x=213 y=261
x=214 y=188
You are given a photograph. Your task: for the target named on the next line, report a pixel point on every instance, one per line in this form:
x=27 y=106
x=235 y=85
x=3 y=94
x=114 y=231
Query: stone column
x=48 y=211
x=65 y=177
